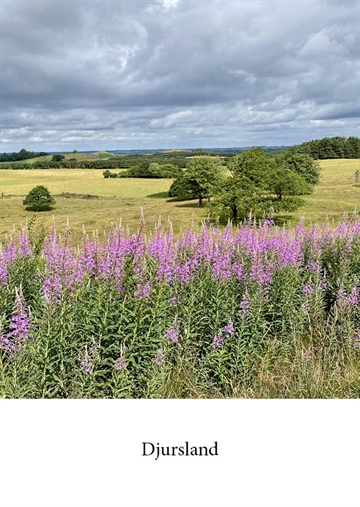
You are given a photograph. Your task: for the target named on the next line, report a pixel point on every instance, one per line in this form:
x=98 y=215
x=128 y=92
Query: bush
x=39 y=199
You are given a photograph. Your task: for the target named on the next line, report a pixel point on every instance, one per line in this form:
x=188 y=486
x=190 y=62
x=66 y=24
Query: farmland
x=123 y=198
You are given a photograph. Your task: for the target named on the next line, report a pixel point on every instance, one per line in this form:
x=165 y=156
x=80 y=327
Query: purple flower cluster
x=120 y=363
x=159 y=357
x=172 y=333
x=219 y=339
x=87 y=364
x=18 y=333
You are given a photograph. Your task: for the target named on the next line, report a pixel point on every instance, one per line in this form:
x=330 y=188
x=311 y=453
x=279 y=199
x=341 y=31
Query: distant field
x=335 y=195
x=119 y=198
x=124 y=198
x=79 y=156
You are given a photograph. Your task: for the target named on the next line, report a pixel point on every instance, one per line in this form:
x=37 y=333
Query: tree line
x=328 y=147
x=21 y=155
x=113 y=163
x=147 y=170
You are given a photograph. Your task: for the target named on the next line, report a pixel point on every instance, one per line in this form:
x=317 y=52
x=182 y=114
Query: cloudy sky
x=177 y=73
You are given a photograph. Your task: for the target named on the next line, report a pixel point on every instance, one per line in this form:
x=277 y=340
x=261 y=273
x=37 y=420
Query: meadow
x=155 y=309
x=123 y=198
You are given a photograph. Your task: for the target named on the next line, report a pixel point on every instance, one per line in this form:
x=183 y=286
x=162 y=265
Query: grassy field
x=118 y=198
x=124 y=198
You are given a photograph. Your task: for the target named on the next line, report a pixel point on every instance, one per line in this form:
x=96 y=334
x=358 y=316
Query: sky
x=177 y=73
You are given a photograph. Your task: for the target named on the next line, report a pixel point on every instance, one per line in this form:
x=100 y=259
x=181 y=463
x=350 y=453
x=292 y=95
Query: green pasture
x=117 y=199
x=123 y=199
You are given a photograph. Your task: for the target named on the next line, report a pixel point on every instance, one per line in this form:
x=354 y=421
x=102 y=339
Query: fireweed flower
x=5 y=343
x=357 y=340
x=3 y=271
x=245 y=305
x=218 y=341
x=341 y=295
x=353 y=299
x=159 y=357
x=305 y=308
x=142 y=292
x=172 y=333
x=86 y=363
x=307 y=289
x=19 y=324
x=120 y=363
x=24 y=245
x=229 y=329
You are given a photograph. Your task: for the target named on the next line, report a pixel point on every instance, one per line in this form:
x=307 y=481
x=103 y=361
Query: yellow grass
x=120 y=198
x=124 y=197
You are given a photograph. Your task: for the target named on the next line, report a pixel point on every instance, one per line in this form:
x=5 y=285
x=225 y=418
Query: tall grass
x=259 y=311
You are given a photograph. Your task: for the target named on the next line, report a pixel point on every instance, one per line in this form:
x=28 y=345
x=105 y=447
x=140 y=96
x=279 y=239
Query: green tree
x=284 y=182
x=257 y=185
x=58 y=158
x=303 y=165
x=39 y=199
x=352 y=147
x=201 y=179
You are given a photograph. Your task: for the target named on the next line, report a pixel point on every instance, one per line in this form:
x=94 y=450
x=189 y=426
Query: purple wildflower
x=24 y=245
x=19 y=324
x=172 y=333
x=305 y=308
x=218 y=341
x=353 y=299
x=341 y=295
x=307 y=289
x=120 y=363
x=245 y=305
x=87 y=365
x=229 y=329
x=5 y=343
x=142 y=292
x=159 y=357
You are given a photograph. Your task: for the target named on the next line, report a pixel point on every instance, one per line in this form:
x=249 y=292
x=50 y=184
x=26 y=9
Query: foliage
x=302 y=164
x=259 y=311
x=58 y=158
x=109 y=174
x=151 y=170
x=201 y=179
x=257 y=185
x=329 y=147
x=21 y=155
x=39 y=199
x=285 y=182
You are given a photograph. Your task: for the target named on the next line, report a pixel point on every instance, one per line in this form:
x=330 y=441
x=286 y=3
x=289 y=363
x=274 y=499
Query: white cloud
x=160 y=73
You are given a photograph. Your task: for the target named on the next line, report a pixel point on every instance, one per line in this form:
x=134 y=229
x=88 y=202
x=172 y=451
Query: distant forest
x=21 y=155
x=326 y=148
x=329 y=147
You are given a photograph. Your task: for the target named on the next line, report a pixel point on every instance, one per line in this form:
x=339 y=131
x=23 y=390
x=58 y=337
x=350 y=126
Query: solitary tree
x=39 y=199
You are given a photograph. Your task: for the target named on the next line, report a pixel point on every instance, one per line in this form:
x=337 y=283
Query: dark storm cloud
x=177 y=73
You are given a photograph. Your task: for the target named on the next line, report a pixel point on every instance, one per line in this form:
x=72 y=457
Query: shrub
x=39 y=199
